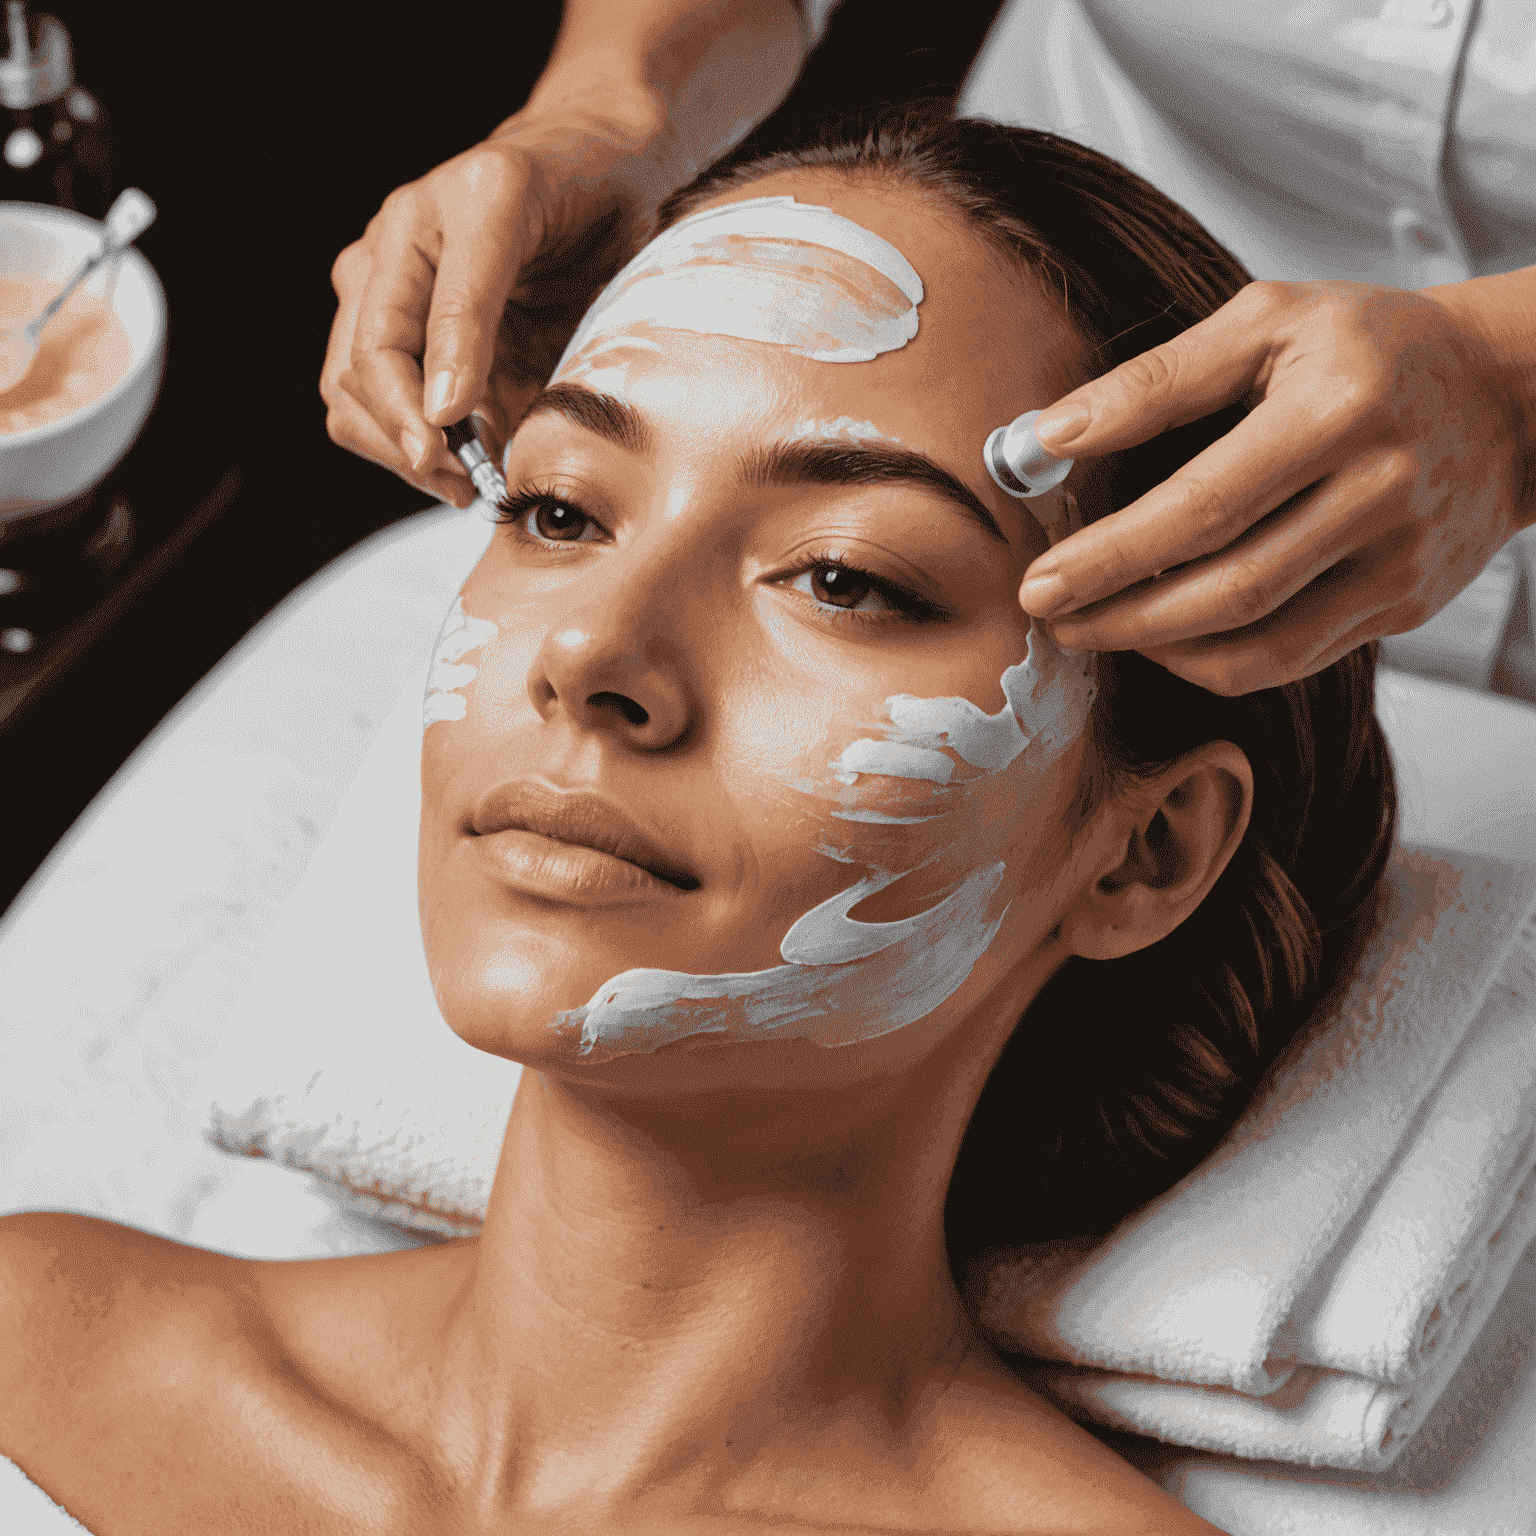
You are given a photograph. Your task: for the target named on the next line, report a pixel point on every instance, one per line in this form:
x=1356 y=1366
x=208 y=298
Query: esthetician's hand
x=466 y=286
x=468 y=283
x=1389 y=451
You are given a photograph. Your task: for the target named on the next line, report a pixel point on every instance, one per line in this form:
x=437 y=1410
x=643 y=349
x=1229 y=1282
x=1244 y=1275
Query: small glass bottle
x=53 y=132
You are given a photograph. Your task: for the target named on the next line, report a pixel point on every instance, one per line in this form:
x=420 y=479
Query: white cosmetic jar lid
x=1019 y=464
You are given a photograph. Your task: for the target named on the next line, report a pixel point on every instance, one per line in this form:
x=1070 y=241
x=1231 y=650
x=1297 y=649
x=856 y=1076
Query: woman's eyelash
x=909 y=604
x=513 y=509
x=905 y=603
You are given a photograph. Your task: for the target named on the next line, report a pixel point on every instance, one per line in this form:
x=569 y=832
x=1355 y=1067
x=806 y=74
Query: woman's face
x=694 y=689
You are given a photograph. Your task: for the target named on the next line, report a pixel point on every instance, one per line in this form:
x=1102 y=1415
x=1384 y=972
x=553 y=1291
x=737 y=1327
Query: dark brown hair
x=1123 y=1074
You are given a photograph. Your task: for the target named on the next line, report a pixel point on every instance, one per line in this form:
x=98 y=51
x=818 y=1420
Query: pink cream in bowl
x=82 y=352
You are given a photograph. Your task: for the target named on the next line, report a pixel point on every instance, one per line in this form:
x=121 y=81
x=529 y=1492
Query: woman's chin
x=526 y=1000
x=513 y=1005
x=517 y=986
x=541 y=1028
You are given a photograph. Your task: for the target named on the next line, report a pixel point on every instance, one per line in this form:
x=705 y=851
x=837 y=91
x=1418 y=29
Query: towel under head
x=1338 y=1250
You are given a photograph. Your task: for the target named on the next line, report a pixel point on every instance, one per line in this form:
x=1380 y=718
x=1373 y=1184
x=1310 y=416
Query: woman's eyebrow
x=835 y=462
x=610 y=419
x=805 y=461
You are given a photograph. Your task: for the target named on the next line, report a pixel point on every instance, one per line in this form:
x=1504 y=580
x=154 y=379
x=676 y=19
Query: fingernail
x=1043 y=595
x=438 y=393
x=1061 y=426
x=414 y=449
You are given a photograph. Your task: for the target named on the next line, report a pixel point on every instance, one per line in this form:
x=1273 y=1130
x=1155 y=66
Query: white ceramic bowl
x=48 y=465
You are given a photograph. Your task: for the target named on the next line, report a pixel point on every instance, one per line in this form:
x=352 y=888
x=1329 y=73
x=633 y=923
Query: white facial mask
x=843 y=426
x=842 y=981
x=460 y=635
x=770 y=270
x=923 y=728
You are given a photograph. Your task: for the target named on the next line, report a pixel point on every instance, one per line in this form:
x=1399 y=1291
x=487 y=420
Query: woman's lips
x=572 y=846
x=567 y=872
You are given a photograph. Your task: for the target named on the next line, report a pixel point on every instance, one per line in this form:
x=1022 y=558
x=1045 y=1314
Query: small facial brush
x=1018 y=463
x=465 y=442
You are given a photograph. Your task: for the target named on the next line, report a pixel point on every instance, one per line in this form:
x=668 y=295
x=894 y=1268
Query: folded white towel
x=1306 y=1292
x=1471 y=1470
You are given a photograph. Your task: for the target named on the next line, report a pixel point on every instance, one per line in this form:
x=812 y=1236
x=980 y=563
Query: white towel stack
x=1308 y=1291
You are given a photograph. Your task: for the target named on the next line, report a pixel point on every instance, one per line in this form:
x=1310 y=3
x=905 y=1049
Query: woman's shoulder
x=77 y=1289
x=131 y=1365
x=94 y=1318
x=134 y=1370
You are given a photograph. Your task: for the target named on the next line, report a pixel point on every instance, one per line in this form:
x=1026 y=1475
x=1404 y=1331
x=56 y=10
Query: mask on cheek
x=842 y=980
x=460 y=635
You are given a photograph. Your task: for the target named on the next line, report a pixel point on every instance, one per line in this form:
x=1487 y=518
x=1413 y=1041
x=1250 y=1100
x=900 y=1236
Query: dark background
x=268 y=137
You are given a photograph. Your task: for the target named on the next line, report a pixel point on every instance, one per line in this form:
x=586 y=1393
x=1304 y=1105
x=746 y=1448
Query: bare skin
x=712 y=1292
x=162 y=1389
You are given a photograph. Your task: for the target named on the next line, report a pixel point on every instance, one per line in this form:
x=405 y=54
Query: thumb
x=1200 y=370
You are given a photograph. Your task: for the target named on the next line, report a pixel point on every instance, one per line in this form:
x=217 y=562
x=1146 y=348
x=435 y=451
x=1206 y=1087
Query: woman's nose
x=607 y=670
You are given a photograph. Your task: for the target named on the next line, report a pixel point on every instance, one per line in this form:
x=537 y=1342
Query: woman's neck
x=673 y=1292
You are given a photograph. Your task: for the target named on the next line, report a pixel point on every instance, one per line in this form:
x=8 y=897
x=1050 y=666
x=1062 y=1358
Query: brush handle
x=130 y=215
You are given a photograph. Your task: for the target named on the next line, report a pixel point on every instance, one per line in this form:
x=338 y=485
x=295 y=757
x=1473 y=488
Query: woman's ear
x=1168 y=840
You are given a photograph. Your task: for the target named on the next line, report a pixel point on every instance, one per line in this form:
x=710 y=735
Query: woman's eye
x=556 y=522
x=839 y=587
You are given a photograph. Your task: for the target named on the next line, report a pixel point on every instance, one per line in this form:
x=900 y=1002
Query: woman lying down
x=760 y=824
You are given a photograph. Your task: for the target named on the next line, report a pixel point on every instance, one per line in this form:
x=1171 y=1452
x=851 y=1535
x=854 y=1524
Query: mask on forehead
x=770 y=270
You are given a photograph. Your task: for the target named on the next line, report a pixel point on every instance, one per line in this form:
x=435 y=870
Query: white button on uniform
x=1415 y=234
